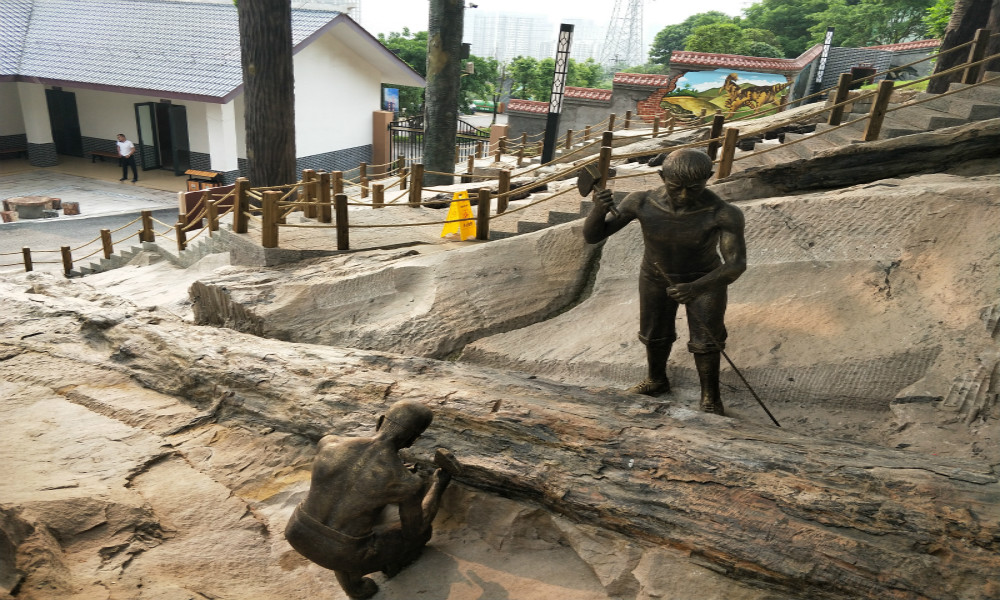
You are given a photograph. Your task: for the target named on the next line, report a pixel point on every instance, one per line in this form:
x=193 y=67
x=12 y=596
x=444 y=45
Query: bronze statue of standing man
x=338 y=526
x=694 y=248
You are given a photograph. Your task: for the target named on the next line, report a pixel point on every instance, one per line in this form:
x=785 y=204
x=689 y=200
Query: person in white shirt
x=126 y=153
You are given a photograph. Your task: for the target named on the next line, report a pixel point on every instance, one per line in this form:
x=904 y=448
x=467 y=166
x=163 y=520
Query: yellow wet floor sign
x=460 y=209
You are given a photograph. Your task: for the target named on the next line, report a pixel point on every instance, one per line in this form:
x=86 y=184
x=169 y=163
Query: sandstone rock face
x=850 y=299
x=424 y=305
x=159 y=459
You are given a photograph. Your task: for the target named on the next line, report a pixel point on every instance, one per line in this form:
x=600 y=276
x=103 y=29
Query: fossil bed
x=159 y=423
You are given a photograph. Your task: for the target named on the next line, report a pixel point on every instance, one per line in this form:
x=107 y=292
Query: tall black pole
x=558 y=90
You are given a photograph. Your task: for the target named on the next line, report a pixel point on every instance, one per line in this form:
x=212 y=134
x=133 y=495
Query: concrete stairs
x=157 y=251
x=966 y=105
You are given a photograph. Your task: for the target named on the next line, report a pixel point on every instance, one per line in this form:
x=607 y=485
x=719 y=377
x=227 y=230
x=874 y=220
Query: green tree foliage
x=588 y=73
x=860 y=23
x=522 y=74
x=481 y=84
x=674 y=37
x=411 y=48
x=789 y=20
x=936 y=19
x=724 y=38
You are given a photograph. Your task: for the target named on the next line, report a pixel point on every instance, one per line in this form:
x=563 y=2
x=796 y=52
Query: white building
x=168 y=75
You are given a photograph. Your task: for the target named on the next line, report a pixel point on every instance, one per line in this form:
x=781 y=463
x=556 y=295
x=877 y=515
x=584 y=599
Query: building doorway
x=163 y=136
x=65 y=122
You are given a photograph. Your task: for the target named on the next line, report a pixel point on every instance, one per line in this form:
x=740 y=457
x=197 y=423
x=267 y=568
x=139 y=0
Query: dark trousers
x=129 y=161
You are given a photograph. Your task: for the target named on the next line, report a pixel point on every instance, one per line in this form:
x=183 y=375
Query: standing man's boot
x=708 y=375
x=656 y=382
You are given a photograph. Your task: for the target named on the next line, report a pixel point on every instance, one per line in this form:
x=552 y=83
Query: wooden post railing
x=378 y=195
x=728 y=152
x=362 y=171
x=503 y=145
x=241 y=206
x=403 y=176
x=671 y=124
x=26 y=253
x=270 y=216
x=106 y=245
x=483 y=215
x=469 y=168
x=364 y=187
x=976 y=54
x=520 y=150
x=212 y=214
x=628 y=119
x=416 y=185
x=337 y=180
x=400 y=164
x=569 y=139
x=877 y=115
x=308 y=193
x=148 y=234
x=713 y=147
x=181 y=236
x=325 y=210
x=843 y=89
x=502 y=189
x=343 y=239
x=479 y=149
x=656 y=125
x=67 y=259
x=611 y=122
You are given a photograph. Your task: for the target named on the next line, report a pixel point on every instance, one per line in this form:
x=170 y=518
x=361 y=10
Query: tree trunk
x=269 y=90
x=993 y=24
x=966 y=18
x=444 y=45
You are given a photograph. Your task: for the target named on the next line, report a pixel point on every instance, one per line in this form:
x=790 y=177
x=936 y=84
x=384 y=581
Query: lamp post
x=558 y=91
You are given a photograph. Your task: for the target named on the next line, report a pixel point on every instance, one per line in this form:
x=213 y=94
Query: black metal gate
x=406 y=139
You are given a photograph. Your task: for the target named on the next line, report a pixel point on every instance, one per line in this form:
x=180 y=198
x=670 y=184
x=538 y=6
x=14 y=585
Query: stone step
x=530 y=226
x=968 y=109
x=986 y=93
x=922 y=117
x=559 y=217
x=816 y=143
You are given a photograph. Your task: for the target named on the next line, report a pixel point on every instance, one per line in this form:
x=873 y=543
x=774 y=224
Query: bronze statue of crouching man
x=353 y=480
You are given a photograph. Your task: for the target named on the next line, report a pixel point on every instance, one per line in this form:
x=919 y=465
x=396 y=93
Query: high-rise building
x=504 y=36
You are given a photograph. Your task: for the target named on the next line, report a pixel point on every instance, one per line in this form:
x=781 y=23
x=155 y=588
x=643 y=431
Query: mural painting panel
x=738 y=94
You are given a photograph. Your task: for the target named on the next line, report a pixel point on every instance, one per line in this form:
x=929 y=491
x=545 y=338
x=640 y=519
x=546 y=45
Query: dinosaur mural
x=738 y=93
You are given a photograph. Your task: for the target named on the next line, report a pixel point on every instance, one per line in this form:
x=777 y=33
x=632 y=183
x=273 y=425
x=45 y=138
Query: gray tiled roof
x=177 y=47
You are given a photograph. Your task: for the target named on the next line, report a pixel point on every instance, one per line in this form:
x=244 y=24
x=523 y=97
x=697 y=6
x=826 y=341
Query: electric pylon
x=623 y=44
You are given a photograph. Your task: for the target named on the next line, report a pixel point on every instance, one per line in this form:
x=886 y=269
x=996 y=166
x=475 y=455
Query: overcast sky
x=385 y=16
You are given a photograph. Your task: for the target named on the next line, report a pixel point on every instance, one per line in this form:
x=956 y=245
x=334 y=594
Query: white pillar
x=36 y=113
x=222 y=143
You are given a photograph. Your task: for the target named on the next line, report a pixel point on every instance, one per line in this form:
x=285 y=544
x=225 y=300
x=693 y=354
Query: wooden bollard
x=479 y=149
x=364 y=187
x=400 y=164
x=877 y=115
x=148 y=234
x=628 y=119
x=843 y=88
x=503 y=195
x=26 y=253
x=672 y=123
x=483 y=215
x=212 y=214
x=362 y=171
x=67 y=260
x=416 y=185
x=106 y=245
x=337 y=178
x=497 y=155
x=309 y=193
x=241 y=207
x=728 y=152
x=502 y=143
x=976 y=54
x=611 y=122
x=713 y=147
x=181 y=236
x=569 y=139
x=656 y=125
x=520 y=151
x=403 y=175
x=586 y=134
x=325 y=209
x=608 y=138
x=340 y=205
x=469 y=169
x=270 y=216
x=378 y=195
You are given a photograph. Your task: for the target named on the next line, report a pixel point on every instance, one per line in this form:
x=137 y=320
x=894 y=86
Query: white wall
x=36 y=113
x=335 y=94
x=105 y=114
x=11 y=118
